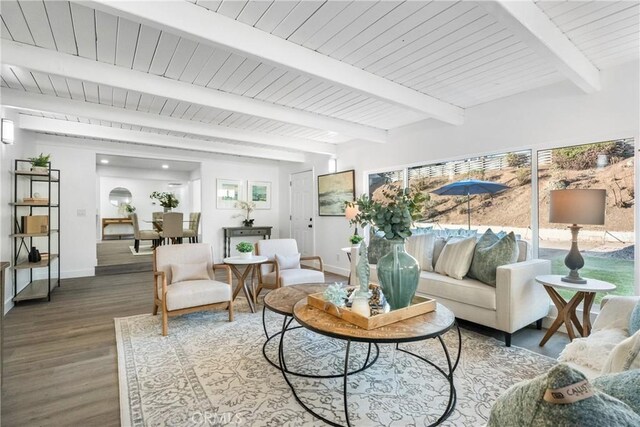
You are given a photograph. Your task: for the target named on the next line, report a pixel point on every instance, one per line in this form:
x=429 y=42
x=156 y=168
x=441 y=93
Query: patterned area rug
x=212 y=372
x=142 y=250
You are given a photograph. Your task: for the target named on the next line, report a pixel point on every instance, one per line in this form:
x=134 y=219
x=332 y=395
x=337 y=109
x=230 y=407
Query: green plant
x=517 y=160
x=355 y=239
x=523 y=176
x=129 y=208
x=582 y=157
x=40 y=161
x=166 y=199
x=395 y=216
x=244 y=247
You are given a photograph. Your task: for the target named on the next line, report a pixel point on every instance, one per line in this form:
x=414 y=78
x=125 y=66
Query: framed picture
x=333 y=190
x=228 y=192
x=260 y=194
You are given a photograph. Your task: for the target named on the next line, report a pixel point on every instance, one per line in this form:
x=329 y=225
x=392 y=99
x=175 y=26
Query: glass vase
x=398 y=273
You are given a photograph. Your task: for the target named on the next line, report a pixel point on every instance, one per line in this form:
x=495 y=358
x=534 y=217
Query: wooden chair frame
x=171 y=313
x=277 y=285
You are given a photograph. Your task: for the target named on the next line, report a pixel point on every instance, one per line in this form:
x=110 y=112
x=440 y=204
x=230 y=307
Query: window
x=608 y=250
x=380 y=180
x=508 y=210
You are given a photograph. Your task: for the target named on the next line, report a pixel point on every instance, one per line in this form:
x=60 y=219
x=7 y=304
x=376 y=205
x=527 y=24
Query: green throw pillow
x=634 y=320
x=560 y=398
x=624 y=386
x=491 y=252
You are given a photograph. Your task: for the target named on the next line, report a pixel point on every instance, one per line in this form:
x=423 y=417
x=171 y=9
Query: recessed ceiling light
x=165 y=166
x=104 y=161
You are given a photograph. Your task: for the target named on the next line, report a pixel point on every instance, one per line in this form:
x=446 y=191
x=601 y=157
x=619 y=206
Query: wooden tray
x=37 y=200
x=419 y=305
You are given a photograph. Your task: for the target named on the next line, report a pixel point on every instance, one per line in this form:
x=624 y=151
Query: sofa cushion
x=524 y=250
x=592 y=351
x=561 y=397
x=624 y=356
x=193 y=293
x=288 y=262
x=193 y=271
x=623 y=386
x=438 y=246
x=634 y=320
x=421 y=248
x=455 y=259
x=490 y=253
x=467 y=291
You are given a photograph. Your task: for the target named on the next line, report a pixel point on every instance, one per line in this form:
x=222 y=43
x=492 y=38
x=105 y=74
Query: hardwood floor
x=60 y=364
x=115 y=257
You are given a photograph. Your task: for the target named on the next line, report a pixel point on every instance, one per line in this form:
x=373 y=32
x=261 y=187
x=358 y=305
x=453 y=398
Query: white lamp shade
x=578 y=206
x=351 y=212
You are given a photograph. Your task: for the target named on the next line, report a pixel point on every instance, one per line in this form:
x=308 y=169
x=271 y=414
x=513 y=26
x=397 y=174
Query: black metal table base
x=282 y=366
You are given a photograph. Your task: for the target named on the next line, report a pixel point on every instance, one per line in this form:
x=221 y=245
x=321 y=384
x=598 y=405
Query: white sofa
x=591 y=355
x=515 y=302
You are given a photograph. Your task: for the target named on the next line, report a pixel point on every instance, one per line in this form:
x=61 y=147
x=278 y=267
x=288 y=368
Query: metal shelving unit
x=46 y=182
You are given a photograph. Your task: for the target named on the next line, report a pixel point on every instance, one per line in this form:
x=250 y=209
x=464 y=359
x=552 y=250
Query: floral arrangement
x=166 y=199
x=247 y=207
x=393 y=217
x=41 y=161
x=244 y=247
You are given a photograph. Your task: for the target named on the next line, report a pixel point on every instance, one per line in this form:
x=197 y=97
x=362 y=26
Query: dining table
x=157 y=223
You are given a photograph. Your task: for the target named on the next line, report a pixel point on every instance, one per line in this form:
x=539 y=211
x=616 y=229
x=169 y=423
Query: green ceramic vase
x=398 y=273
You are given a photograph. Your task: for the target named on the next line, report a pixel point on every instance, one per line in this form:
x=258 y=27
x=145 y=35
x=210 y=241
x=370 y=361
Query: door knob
x=310 y=226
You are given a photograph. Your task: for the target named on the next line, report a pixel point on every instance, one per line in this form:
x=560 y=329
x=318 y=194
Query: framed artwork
x=228 y=192
x=259 y=192
x=333 y=190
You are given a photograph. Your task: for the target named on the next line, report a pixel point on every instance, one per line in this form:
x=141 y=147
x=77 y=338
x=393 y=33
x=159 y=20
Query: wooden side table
x=567 y=309
x=251 y=264
x=230 y=232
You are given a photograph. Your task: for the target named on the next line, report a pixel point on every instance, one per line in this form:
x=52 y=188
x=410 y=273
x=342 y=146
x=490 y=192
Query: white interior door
x=302 y=211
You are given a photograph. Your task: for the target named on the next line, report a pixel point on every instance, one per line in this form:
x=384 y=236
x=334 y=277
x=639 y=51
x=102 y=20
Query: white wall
x=213 y=219
x=554 y=115
x=8 y=153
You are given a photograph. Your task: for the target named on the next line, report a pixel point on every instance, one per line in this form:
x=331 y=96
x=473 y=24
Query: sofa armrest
x=520 y=300
x=615 y=312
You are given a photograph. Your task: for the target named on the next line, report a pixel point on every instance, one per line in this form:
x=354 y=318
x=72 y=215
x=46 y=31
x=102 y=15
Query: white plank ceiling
x=453 y=51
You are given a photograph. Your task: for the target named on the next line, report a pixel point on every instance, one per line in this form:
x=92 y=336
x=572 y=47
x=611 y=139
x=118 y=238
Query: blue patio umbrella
x=467 y=187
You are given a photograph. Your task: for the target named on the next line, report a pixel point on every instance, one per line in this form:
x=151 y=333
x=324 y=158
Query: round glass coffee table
x=418 y=328
x=282 y=301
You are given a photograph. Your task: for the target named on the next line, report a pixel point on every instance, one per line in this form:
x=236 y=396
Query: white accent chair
x=188 y=296
x=270 y=274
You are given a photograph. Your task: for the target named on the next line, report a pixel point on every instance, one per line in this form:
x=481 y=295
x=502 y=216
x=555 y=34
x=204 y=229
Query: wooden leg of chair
x=155 y=308
x=136 y=245
x=165 y=323
x=230 y=311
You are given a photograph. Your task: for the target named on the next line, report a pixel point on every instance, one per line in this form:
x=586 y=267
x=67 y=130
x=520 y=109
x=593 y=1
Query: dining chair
x=185 y=282
x=156 y=218
x=283 y=267
x=192 y=231
x=142 y=234
x=172 y=227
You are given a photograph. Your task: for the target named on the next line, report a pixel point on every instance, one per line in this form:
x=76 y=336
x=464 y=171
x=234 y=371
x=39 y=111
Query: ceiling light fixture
x=104 y=161
x=165 y=166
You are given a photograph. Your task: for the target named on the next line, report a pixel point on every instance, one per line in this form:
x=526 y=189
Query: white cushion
x=421 y=247
x=524 y=250
x=624 y=356
x=438 y=246
x=456 y=257
x=193 y=293
x=615 y=313
x=194 y=271
x=167 y=255
x=288 y=262
x=294 y=277
x=468 y=291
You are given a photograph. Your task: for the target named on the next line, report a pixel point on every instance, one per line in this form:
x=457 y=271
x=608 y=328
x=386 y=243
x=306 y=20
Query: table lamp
x=575 y=207
x=350 y=213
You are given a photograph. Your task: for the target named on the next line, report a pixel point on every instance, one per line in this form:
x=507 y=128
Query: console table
x=109 y=221
x=230 y=232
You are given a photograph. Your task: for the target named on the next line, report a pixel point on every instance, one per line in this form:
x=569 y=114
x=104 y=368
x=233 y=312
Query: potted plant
x=40 y=164
x=247 y=207
x=398 y=271
x=355 y=239
x=245 y=249
x=167 y=200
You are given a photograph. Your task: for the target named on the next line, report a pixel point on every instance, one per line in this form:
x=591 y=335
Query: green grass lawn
x=616 y=271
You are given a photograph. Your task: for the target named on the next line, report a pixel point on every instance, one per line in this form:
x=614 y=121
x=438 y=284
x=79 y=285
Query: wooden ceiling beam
x=51 y=104
x=531 y=25
x=64 y=127
x=70 y=66
x=196 y=23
